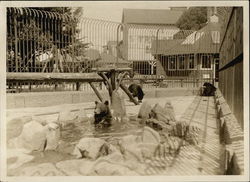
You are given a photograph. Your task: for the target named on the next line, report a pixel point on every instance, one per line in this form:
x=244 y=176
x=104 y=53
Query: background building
x=140 y=30
x=190 y=54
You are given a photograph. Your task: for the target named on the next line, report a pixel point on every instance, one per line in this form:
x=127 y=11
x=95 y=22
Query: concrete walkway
x=202 y=159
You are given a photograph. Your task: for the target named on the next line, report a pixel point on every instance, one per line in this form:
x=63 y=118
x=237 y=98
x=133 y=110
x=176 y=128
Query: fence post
x=77 y=86
x=15 y=32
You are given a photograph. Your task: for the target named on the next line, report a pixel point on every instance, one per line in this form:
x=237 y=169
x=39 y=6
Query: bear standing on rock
x=102 y=114
x=136 y=91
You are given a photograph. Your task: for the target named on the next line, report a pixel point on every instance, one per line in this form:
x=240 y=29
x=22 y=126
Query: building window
x=206 y=62
x=172 y=63
x=191 y=62
x=181 y=62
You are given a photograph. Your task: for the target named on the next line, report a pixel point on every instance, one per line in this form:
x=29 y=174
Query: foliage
x=39 y=36
x=193 y=19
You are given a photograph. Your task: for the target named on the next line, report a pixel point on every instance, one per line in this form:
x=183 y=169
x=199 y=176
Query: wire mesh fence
x=160 y=56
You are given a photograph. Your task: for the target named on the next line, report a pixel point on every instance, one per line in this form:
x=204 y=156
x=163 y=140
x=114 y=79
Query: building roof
x=205 y=40
x=108 y=58
x=151 y=16
x=162 y=46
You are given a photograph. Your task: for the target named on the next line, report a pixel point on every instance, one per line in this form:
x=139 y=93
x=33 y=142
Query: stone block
x=44 y=169
x=224 y=110
x=149 y=135
x=89 y=147
x=144 y=111
x=33 y=137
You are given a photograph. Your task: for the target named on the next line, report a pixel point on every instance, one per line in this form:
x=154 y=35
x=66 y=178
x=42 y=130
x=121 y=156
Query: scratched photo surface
x=124 y=89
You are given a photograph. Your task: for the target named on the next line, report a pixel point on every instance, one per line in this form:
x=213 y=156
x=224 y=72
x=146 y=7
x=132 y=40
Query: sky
x=112 y=10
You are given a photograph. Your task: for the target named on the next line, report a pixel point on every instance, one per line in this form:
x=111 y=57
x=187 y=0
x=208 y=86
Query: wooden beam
x=81 y=77
x=109 y=69
x=108 y=84
x=96 y=91
x=124 y=88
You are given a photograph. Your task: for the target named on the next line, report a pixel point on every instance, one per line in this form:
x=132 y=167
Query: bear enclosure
x=49 y=54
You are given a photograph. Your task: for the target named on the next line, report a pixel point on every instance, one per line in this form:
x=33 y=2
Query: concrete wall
x=232 y=136
x=43 y=99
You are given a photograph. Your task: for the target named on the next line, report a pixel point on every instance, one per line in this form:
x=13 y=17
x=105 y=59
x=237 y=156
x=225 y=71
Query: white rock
x=133 y=153
x=148 y=149
x=118 y=105
x=65 y=117
x=170 y=110
x=109 y=169
x=44 y=169
x=91 y=145
x=20 y=155
x=144 y=111
x=70 y=167
x=33 y=136
x=150 y=136
x=40 y=119
x=135 y=166
x=129 y=140
x=15 y=126
x=115 y=157
x=52 y=136
x=86 y=167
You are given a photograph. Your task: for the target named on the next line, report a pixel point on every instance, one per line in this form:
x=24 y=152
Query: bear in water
x=136 y=91
x=102 y=114
x=208 y=89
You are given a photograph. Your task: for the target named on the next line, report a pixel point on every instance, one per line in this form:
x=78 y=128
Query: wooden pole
x=113 y=79
x=124 y=88
x=108 y=84
x=96 y=91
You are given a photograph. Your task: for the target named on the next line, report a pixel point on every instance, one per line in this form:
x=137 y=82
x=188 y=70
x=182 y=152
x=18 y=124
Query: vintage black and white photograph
x=126 y=88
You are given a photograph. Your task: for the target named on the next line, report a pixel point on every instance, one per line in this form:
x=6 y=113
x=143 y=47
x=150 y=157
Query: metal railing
x=161 y=56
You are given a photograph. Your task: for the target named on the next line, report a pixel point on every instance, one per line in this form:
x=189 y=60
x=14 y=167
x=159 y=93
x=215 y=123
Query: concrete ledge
x=232 y=136
x=44 y=99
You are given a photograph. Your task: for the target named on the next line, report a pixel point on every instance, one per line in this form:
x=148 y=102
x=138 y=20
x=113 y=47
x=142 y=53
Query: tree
x=31 y=35
x=193 y=19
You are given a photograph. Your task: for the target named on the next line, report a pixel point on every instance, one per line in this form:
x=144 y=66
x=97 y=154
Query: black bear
x=102 y=114
x=208 y=89
x=136 y=91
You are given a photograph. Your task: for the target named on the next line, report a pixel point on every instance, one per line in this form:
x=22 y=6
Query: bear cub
x=136 y=91
x=208 y=89
x=102 y=114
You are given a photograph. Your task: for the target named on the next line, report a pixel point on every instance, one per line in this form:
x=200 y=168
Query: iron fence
x=161 y=56
x=170 y=55
x=41 y=41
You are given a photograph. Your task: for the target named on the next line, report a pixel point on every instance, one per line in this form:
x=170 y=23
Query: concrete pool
x=62 y=162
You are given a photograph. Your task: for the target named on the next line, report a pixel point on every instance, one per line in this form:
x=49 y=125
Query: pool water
x=70 y=136
x=73 y=132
